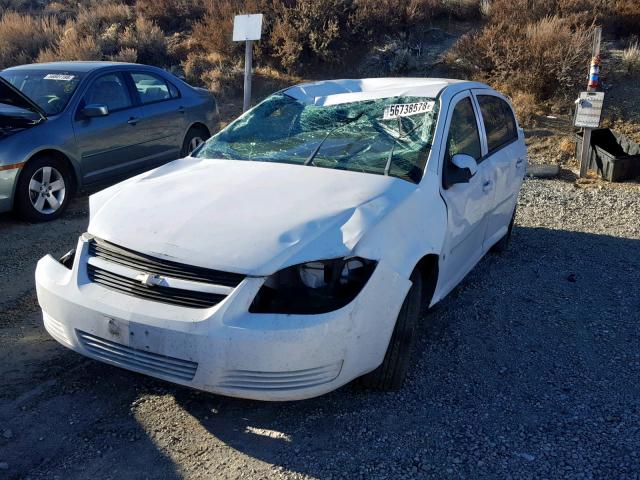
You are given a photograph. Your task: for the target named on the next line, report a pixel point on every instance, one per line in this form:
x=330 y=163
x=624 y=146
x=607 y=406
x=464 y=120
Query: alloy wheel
x=195 y=143
x=47 y=190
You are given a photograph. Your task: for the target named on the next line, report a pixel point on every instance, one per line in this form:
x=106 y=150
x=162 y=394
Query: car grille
x=113 y=254
x=148 y=264
x=274 y=381
x=134 y=359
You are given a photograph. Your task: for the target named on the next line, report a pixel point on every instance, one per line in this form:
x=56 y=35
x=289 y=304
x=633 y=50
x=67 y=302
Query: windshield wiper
x=387 y=165
x=313 y=154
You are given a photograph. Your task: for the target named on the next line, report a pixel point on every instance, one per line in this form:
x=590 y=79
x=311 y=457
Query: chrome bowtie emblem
x=149 y=279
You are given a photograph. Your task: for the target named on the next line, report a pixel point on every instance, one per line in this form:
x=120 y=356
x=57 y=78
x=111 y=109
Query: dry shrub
x=631 y=59
x=311 y=30
x=567 y=147
x=541 y=58
x=23 y=36
x=109 y=31
x=525 y=105
x=170 y=15
x=371 y=18
x=71 y=46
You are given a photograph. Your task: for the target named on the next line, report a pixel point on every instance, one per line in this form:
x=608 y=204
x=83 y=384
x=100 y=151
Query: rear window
x=152 y=88
x=498 y=121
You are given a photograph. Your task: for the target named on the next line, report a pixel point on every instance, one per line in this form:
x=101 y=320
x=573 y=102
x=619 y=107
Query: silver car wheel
x=47 y=190
x=195 y=143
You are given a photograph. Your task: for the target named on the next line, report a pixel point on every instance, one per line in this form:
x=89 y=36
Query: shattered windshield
x=386 y=136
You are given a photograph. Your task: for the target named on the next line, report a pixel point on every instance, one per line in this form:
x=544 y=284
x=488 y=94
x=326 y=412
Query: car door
x=507 y=156
x=108 y=145
x=468 y=203
x=164 y=115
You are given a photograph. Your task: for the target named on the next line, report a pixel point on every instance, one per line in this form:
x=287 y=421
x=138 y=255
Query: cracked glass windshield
x=386 y=136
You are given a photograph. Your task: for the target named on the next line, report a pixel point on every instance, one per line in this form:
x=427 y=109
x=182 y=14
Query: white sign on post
x=589 y=109
x=247 y=27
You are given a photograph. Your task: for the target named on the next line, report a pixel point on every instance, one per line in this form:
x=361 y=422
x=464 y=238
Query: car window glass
x=109 y=90
x=50 y=90
x=463 y=131
x=151 y=88
x=173 y=90
x=384 y=136
x=499 y=122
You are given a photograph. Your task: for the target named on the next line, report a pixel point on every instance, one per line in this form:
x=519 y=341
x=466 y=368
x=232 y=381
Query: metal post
x=586 y=132
x=248 y=54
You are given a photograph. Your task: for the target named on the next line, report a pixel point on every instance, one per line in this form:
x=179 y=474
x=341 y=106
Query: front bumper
x=223 y=349
x=8 y=179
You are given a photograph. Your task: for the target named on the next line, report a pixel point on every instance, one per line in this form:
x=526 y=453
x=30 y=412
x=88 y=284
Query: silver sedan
x=67 y=125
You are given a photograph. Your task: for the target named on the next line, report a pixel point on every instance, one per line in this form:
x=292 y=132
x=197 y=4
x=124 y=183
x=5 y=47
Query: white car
x=293 y=251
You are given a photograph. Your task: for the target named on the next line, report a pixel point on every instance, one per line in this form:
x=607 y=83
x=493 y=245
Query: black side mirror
x=95 y=110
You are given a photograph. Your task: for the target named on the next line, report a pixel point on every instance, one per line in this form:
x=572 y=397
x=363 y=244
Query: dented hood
x=242 y=216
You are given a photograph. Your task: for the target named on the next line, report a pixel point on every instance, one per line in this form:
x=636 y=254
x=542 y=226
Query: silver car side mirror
x=463 y=161
x=95 y=110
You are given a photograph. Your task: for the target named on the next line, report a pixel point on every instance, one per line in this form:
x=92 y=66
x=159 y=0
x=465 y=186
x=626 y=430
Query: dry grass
x=631 y=59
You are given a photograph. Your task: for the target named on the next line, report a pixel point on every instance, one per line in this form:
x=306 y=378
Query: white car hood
x=243 y=216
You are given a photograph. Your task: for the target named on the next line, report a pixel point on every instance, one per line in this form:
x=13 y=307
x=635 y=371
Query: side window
x=498 y=121
x=109 y=90
x=463 y=131
x=152 y=88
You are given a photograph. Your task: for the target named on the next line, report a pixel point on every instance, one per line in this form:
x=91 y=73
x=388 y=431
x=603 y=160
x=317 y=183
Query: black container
x=613 y=155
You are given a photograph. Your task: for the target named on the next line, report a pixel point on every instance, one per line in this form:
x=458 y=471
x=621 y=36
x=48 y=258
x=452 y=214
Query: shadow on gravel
x=528 y=369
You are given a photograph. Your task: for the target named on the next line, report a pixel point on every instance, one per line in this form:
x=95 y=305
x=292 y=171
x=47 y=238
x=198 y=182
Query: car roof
x=334 y=92
x=79 y=66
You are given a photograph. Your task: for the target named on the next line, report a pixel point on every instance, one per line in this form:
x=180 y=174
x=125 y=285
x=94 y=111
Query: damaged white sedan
x=293 y=251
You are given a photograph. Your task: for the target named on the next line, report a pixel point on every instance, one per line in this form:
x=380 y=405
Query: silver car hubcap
x=195 y=143
x=47 y=190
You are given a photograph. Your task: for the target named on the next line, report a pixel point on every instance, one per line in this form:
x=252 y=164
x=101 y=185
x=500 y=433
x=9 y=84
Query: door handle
x=519 y=162
x=181 y=109
x=133 y=120
x=486 y=186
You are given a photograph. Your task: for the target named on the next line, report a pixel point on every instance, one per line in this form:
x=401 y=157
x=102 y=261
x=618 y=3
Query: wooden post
x=586 y=132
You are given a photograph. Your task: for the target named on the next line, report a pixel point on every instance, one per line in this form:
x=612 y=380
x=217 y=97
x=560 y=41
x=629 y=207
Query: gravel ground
x=529 y=369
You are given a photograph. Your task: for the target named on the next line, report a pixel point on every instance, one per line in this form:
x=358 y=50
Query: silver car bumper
x=8 y=180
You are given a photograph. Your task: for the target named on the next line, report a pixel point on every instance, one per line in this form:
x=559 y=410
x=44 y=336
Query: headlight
x=314 y=287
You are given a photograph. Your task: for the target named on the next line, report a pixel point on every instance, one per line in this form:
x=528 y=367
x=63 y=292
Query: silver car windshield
x=387 y=136
x=50 y=90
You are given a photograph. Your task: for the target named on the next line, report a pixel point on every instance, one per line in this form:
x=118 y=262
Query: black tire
x=391 y=373
x=54 y=202
x=194 y=133
x=503 y=243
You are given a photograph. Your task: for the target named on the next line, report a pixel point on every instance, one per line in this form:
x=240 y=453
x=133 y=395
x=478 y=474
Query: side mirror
x=467 y=162
x=460 y=170
x=95 y=110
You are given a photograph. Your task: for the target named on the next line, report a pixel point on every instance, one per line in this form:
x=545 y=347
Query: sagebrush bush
x=109 y=31
x=170 y=15
x=631 y=59
x=23 y=36
x=541 y=58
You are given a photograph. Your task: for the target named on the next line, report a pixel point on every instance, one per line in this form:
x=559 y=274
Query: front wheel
x=44 y=189
x=194 y=138
x=391 y=373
